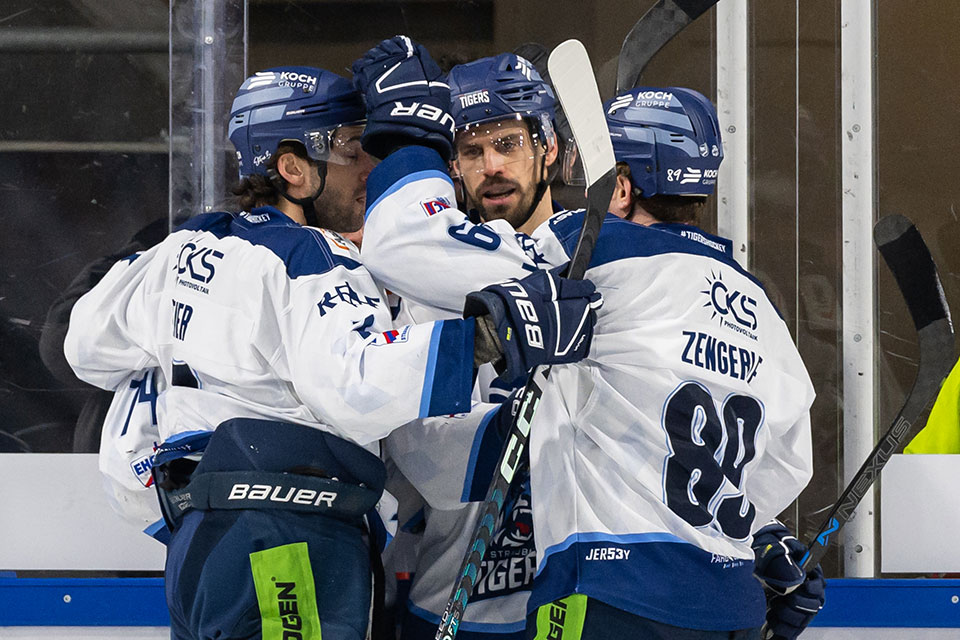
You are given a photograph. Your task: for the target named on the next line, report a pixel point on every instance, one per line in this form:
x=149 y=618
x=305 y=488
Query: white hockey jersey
x=686 y=428
x=129 y=437
x=449 y=462
x=256 y=316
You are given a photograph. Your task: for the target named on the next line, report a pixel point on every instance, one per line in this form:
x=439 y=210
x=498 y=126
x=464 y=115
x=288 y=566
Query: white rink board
x=919 y=514
x=55 y=515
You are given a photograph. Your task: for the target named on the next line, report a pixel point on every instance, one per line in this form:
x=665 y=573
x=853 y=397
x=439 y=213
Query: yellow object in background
x=942 y=432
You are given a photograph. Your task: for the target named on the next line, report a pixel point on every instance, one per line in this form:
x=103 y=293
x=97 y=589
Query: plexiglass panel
x=83 y=168
x=98 y=89
x=918 y=138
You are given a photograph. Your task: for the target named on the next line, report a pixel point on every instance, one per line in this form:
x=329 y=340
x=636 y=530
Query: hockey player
x=495 y=102
x=654 y=460
x=284 y=370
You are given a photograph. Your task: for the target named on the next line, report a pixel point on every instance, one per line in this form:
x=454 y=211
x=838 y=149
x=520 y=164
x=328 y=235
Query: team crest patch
x=435 y=206
x=142 y=468
x=391 y=337
x=336 y=240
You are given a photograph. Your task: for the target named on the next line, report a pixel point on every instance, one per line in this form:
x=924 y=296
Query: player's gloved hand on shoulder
x=541 y=319
x=789 y=615
x=407 y=98
x=777 y=556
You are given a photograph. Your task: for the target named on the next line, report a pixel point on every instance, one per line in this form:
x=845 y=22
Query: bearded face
x=500 y=166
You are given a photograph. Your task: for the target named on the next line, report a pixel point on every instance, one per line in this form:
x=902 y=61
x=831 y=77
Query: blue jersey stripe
x=620 y=240
x=596 y=536
x=430 y=372
x=303 y=250
x=484 y=454
x=451 y=369
x=675 y=583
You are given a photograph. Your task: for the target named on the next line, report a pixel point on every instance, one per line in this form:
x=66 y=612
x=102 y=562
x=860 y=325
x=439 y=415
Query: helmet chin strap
x=309 y=211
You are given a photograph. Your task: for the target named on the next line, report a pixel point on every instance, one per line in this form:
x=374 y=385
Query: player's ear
x=552 y=150
x=291 y=168
x=621 y=203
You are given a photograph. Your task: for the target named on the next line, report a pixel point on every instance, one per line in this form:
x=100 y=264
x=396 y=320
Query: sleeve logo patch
x=435 y=206
x=336 y=240
x=142 y=468
x=391 y=337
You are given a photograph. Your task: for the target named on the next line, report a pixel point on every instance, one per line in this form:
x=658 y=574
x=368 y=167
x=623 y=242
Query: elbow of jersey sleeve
x=103 y=363
x=78 y=356
x=448 y=378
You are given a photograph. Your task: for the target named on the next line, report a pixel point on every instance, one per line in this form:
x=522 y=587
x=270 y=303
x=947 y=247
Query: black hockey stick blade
x=576 y=88
x=655 y=28
x=909 y=259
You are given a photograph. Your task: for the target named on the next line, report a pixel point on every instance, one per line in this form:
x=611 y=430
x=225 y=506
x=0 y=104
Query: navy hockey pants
x=578 y=617
x=306 y=575
x=240 y=566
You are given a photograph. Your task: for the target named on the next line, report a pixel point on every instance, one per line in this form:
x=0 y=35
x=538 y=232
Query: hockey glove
x=777 y=553
x=541 y=319
x=789 y=615
x=407 y=98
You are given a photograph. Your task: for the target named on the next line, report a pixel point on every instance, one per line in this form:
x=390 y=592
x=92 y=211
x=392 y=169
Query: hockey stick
x=909 y=259
x=576 y=88
x=656 y=28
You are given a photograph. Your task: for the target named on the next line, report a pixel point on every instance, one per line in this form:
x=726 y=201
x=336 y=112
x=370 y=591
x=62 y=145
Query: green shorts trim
x=286 y=592
x=562 y=619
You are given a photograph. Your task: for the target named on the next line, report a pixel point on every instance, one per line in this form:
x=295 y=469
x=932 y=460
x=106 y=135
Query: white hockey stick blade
x=572 y=76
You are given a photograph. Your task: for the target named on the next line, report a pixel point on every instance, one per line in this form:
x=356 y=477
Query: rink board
x=66 y=524
x=55 y=516
x=918 y=514
x=139 y=602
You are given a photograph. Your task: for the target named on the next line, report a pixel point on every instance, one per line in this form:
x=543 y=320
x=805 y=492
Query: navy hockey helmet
x=670 y=139
x=301 y=104
x=503 y=86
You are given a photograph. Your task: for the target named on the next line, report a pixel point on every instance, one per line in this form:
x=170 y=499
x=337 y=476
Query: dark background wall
x=84 y=164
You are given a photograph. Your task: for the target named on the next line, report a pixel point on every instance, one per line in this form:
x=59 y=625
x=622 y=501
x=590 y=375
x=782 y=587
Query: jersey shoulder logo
x=338 y=244
x=434 y=206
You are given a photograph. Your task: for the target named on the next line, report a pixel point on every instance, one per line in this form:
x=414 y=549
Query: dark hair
x=258 y=190
x=667 y=208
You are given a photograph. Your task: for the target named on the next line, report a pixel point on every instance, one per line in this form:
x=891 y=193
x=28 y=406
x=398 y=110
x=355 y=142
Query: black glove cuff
x=480 y=303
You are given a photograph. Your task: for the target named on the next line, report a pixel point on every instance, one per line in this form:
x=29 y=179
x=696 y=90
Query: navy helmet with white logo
x=299 y=104
x=670 y=139
x=498 y=87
